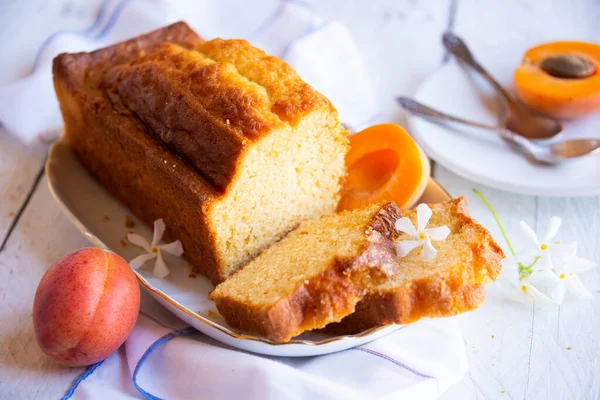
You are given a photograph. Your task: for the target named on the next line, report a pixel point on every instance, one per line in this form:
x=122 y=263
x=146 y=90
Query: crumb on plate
x=129 y=222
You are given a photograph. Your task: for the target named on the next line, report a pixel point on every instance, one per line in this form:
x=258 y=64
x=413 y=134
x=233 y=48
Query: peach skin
x=85 y=307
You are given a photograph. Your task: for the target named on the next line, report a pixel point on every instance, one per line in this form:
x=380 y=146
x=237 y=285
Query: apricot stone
x=85 y=306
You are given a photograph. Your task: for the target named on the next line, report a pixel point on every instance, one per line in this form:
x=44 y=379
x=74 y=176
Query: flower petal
x=557 y=292
x=545 y=263
x=159 y=230
x=429 y=252
x=562 y=252
x=541 y=299
x=576 y=287
x=510 y=273
x=439 y=233
x=404 y=225
x=160 y=268
x=527 y=256
x=138 y=240
x=580 y=265
x=507 y=285
x=552 y=230
x=423 y=215
x=406 y=246
x=540 y=275
x=530 y=233
x=174 y=248
x=141 y=260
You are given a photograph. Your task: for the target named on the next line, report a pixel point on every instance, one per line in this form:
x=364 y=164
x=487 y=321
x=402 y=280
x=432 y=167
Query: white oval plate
x=101 y=219
x=484 y=158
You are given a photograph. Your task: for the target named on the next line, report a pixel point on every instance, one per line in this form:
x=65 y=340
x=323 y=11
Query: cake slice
x=228 y=145
x=313 y=276
x=450 y=284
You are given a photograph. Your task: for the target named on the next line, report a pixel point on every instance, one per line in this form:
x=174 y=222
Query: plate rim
x=230 y=332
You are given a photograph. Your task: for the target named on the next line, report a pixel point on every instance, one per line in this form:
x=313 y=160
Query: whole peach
x=85 y=306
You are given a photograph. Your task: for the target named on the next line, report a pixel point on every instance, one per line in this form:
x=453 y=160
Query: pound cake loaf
x=223 y=142
x=313 y=276
x=450 y=284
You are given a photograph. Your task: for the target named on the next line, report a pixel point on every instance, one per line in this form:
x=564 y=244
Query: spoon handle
x=416 y=108
x=458 y=47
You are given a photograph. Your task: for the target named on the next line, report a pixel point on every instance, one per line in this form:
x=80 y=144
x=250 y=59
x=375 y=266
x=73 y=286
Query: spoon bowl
x=516 y=116
x=528 y=124
x=576 y=148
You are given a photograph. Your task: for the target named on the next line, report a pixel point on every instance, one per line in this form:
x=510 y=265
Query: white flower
x=423 y=236
x=568 y=265
x=544 y=271
x=154 y=250
x=522 y=286
x=544 y=248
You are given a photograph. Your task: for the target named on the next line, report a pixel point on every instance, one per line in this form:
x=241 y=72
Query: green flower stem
x=489 y=206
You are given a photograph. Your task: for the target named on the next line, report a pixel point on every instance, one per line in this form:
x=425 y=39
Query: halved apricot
x=384 y=163
x=560 y=79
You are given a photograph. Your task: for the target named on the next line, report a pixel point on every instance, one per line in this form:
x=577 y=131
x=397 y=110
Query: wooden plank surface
x=515 y=351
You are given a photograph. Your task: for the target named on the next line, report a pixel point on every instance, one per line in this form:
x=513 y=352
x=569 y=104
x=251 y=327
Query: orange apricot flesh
x=559 y=97
x=384 y=164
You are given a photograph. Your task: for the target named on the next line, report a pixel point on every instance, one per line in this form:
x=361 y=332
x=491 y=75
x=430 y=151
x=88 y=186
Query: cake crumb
x=192 y=275
x=598 y=291
x=493 y=337
x=129 y=222
x=123 y=243
x=569 y=348
x=11 y=214
x=106 y=218
x=212 y=314
x=503 y=391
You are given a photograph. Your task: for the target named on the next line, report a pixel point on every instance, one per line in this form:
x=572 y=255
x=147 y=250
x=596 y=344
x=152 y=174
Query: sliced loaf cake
x=313 y=276
x=450 y=284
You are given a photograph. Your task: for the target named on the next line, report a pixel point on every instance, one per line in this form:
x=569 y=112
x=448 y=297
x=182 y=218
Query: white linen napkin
x=420 y=361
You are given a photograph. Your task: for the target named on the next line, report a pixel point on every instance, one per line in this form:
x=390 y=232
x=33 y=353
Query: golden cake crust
x=445 y=293
x=133 y=165
x=327 y=297
x=210 y=102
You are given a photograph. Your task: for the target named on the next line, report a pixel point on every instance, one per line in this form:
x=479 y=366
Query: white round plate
x=101 y=218
x=484 y=158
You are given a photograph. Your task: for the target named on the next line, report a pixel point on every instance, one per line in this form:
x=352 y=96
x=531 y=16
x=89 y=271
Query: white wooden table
x=515 y=351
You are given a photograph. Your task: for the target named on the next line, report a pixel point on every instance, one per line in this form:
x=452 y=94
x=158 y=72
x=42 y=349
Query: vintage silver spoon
x=550 y=154
x=516 y=116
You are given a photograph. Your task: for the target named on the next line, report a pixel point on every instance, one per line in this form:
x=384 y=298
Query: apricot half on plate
x=384 y=164
x=560 y=79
